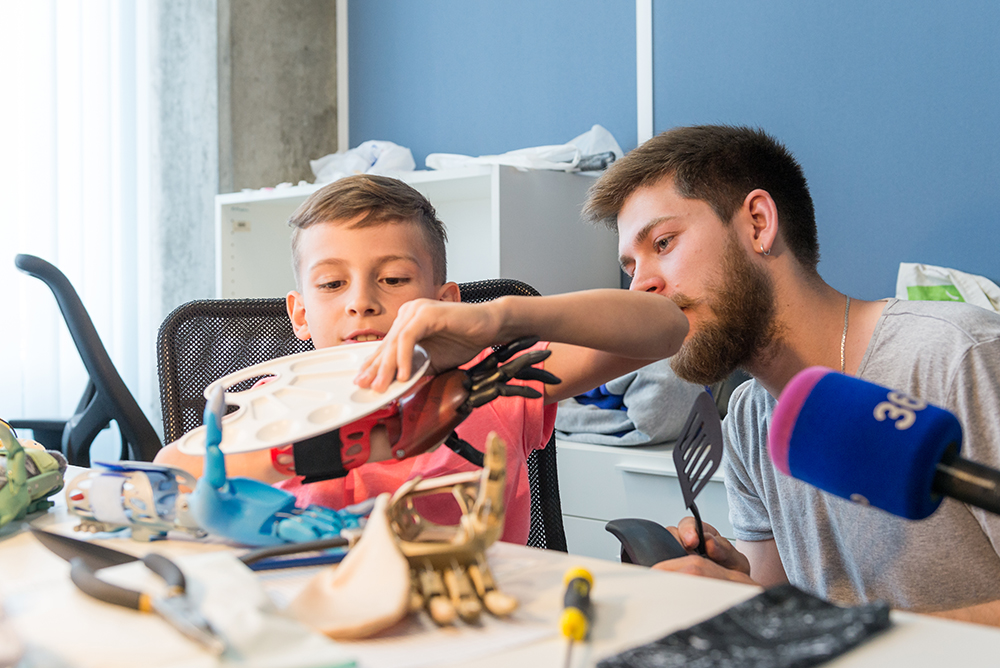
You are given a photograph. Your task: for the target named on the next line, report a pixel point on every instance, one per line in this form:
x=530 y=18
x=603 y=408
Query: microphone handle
x=967 y=481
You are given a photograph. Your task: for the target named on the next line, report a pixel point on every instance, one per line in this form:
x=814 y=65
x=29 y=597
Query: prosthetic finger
x=541 y=375
x=313 y=523
x=432 y=588
x=510 y=369
x=496 y=602
x=464 y=449
x=416 y=596
x=519 y=391
x=461 y=593
x=491 y=393
x=503 y=353
x=484 y=396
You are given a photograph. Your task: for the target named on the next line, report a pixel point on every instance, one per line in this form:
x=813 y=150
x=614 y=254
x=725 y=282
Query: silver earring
x=765 y=252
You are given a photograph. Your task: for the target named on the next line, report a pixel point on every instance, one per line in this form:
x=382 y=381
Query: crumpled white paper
x=372 y=157
x=928 y=282
x=560 y=157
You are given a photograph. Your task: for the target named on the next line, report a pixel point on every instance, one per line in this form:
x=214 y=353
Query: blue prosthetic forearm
x=249 y=511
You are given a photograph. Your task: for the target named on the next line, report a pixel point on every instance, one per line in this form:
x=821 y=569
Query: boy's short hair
x=719 y=165
x=385 y=200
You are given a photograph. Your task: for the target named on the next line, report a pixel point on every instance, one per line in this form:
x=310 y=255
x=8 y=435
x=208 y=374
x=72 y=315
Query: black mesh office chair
x=204 y=340
x=105 y=398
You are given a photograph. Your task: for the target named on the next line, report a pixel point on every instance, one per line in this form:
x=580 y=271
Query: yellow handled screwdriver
x=577 y=609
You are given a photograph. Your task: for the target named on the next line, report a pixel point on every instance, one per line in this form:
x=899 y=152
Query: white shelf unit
x=502 y=223
x=600 y=483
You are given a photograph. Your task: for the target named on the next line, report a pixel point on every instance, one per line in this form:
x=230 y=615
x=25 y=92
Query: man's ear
x=297 y=314
x=762 y=214
x=449 y=292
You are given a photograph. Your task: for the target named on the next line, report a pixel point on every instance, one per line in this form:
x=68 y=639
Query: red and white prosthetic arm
x=421 y=419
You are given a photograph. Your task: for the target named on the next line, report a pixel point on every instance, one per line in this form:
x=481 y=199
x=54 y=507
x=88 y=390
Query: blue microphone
x=874 y=445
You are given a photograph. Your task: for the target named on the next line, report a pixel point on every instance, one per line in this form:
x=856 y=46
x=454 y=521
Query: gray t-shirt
x=947 y=354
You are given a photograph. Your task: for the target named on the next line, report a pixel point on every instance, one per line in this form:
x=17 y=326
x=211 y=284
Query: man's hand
x=724 y=561
x=452 y=333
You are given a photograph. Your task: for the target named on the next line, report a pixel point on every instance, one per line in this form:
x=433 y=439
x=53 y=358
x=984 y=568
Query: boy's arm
x=596 y=335
x=256 y=465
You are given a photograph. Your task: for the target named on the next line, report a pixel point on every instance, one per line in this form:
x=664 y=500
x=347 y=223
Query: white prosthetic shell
x=368 y=592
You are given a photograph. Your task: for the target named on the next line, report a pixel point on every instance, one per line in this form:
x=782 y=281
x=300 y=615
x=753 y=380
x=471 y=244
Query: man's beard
x=743 y=327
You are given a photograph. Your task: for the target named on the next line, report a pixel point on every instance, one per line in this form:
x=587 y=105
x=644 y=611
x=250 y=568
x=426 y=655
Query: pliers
x=174 y=606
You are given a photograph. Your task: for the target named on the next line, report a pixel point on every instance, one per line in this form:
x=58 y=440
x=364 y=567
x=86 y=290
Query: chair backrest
x=204 y=340
x=106 y=397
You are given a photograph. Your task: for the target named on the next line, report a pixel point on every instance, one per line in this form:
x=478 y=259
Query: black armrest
x=47 y=432
x=644 y=542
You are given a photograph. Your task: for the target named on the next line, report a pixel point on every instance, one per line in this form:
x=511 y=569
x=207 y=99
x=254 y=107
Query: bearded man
x=719 y=219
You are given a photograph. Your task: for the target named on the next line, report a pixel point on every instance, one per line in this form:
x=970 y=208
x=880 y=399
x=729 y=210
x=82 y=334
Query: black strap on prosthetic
x=464 y=449
x=318 y=458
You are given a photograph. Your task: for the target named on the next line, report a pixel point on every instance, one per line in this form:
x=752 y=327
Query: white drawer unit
x=502 y=223
x=599 y=483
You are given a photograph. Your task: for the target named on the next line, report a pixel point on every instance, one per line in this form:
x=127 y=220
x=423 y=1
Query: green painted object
x=21 y=493
x=933 y=293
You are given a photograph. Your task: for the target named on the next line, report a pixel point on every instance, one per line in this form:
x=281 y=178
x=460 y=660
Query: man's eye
x=663 y=243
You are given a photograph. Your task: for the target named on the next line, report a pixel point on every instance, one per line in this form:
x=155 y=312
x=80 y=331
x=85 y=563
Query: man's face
x=680 y=249
x=353 y=280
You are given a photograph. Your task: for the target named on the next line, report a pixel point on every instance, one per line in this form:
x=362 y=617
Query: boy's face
x=353 y=280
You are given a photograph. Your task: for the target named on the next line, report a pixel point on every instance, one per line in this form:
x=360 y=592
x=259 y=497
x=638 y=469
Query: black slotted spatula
x=698 y=454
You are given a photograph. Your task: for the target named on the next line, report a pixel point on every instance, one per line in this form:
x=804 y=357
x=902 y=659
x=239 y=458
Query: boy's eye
x=330 y=285
x=396 y=280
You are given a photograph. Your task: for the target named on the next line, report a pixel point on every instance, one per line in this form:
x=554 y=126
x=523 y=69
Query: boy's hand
x=452 y=333
x=724 y=561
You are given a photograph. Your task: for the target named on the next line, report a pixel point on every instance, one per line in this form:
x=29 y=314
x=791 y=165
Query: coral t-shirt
x=523 y=424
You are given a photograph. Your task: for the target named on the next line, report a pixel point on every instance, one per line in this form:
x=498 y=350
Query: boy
x=369 y=259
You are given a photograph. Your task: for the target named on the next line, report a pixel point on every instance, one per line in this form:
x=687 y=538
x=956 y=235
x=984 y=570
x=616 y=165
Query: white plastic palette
x=311 y=393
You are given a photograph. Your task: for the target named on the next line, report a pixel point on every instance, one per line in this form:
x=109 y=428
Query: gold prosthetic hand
x=450 y=575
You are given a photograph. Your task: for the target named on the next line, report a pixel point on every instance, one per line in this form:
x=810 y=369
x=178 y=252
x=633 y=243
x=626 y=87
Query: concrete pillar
x=277 y=90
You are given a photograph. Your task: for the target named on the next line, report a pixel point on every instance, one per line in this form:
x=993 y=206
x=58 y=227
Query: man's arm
x=765 y=563
x=596 y=335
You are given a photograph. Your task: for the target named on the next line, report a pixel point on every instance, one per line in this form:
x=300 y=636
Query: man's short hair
x=719 y=165
x=383 y=200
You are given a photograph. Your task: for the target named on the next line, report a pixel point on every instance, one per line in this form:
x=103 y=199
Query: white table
x=633 y=605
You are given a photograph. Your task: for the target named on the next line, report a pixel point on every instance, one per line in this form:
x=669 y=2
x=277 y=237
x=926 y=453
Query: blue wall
x=453 y=76
x=893 y=108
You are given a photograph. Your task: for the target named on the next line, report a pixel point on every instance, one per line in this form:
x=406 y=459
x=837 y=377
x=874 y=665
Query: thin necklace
x=843 y=337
